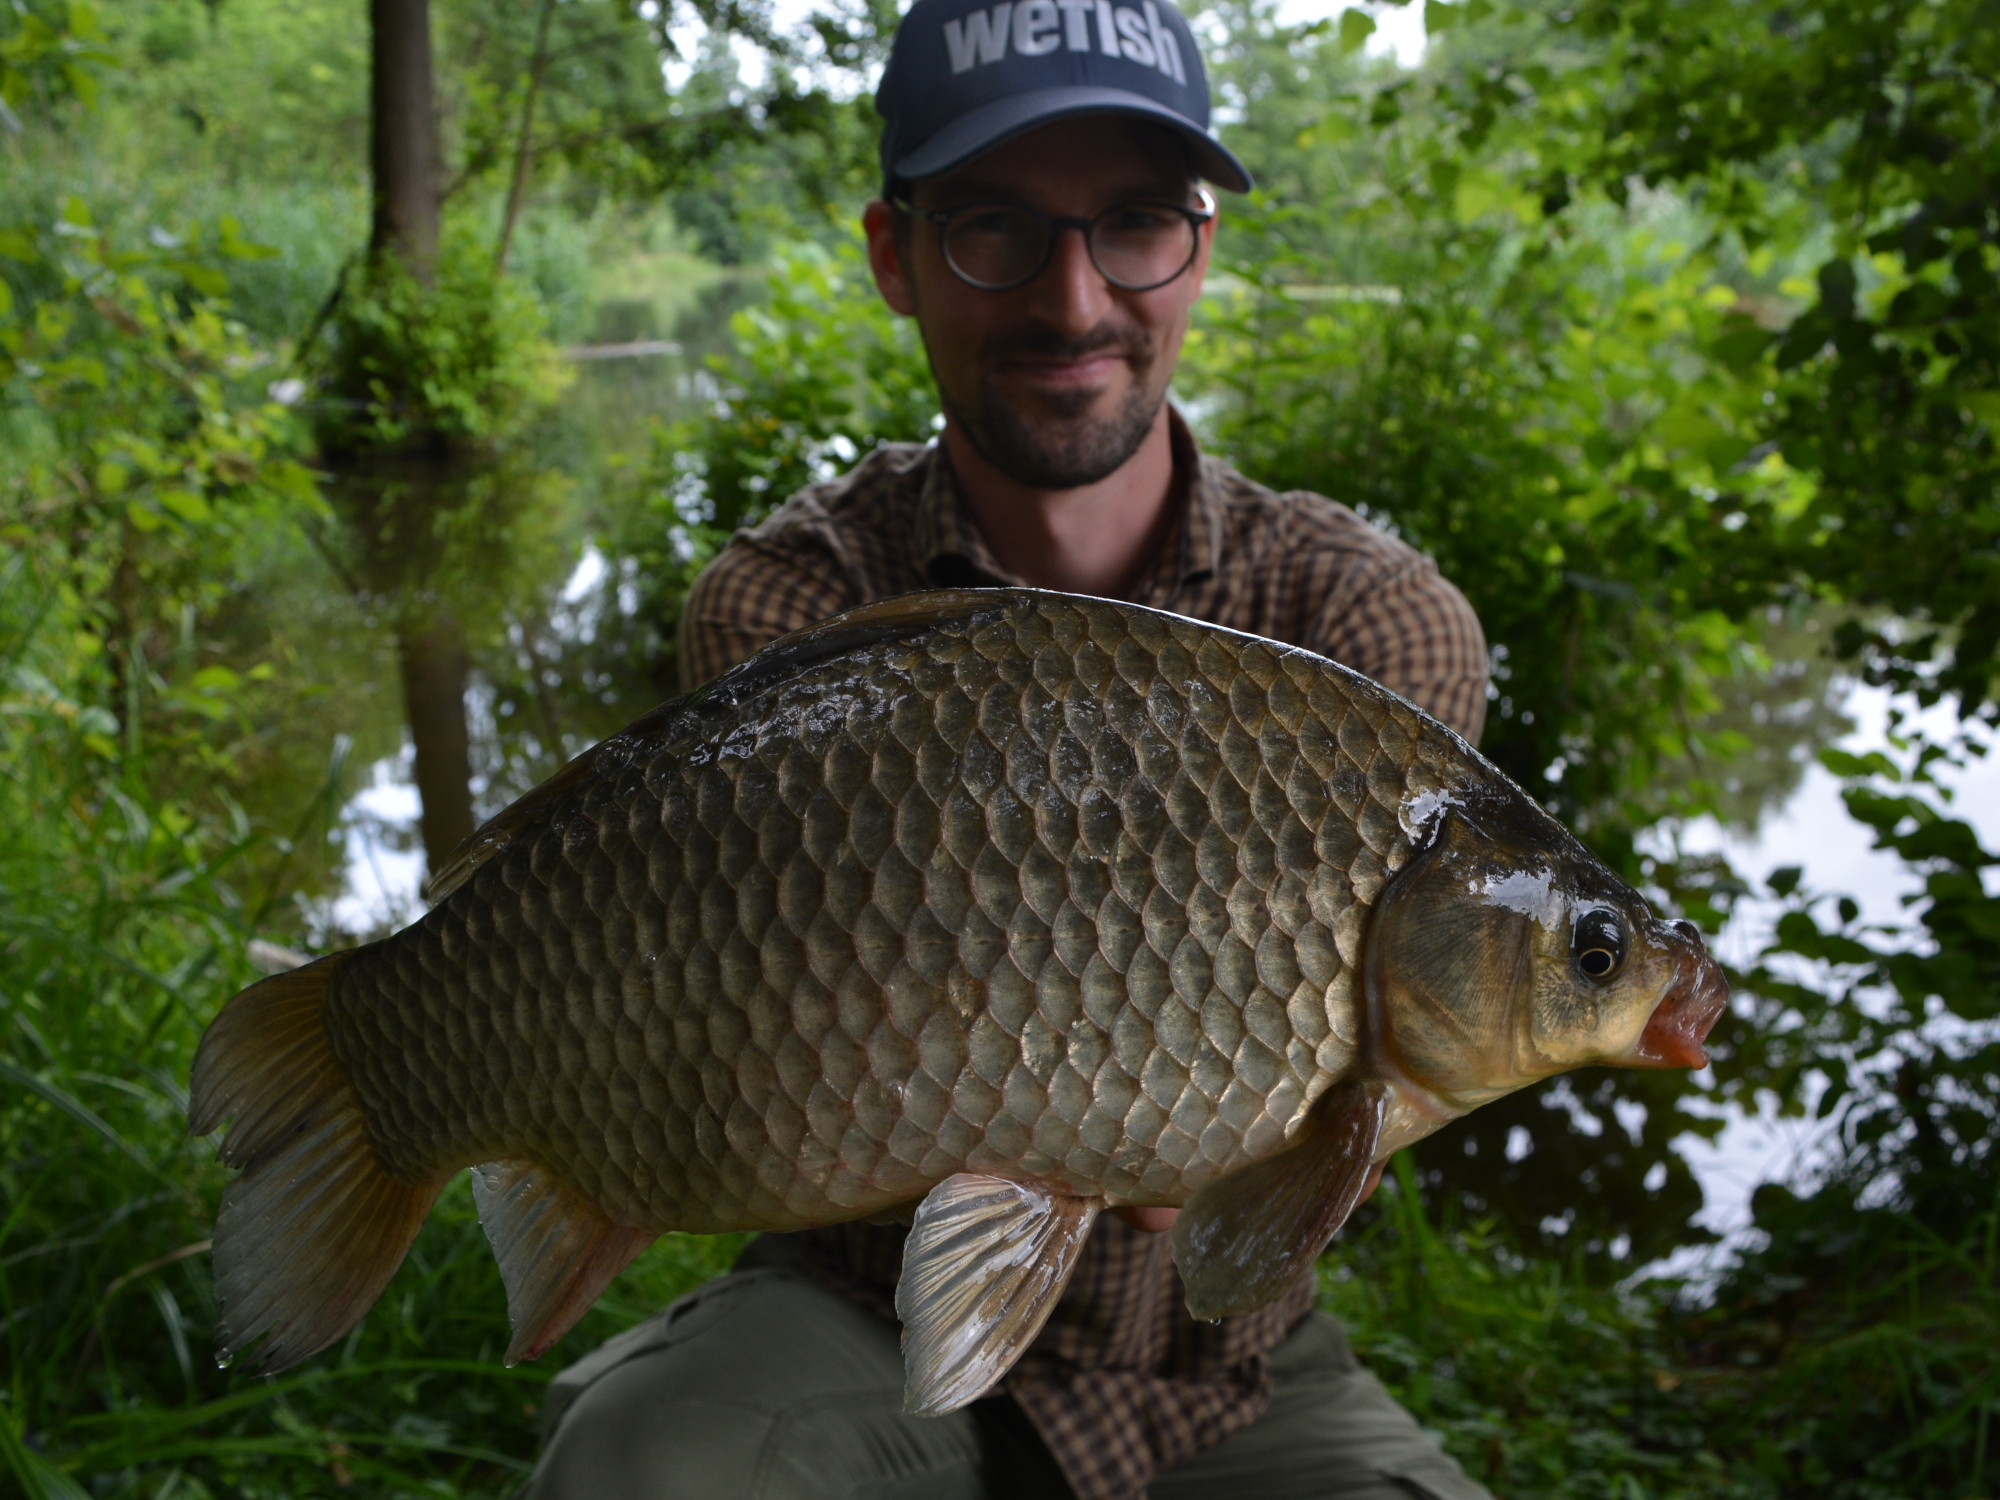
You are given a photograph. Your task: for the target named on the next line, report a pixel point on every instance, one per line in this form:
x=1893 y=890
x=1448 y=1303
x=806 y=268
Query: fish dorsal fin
x=982 y=1268
x=869 y=625
x=1244 y=1239
x=851 y=630
x=557 y=1252
x=498 y=831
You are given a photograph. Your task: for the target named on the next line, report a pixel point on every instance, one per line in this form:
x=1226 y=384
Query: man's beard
x=1061 y=448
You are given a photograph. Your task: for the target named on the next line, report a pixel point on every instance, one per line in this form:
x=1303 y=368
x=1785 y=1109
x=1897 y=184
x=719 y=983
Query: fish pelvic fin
x=984 y=1265
x=316 y=1225
x=1244 y=1239
x=557 y=1251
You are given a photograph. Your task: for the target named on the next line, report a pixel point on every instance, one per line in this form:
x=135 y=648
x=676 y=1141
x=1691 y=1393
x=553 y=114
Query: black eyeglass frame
x=1196 y=217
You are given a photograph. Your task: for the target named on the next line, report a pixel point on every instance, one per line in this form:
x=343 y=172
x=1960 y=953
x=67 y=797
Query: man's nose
x=1071 y=292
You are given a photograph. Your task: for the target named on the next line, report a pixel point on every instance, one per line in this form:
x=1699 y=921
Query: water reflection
x=480 y=589
x=1810 y=827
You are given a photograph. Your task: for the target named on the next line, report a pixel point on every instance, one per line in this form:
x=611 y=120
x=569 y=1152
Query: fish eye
x=1597 y=943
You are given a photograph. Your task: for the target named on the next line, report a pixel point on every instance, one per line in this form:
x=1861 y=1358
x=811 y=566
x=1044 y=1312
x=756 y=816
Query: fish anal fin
x=984 y=1264
x=891 y=619
x=557 y=1251
x=312 y=1231
x=1243 y=1239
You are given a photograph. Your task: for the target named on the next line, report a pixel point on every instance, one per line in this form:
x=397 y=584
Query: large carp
x=998 y=905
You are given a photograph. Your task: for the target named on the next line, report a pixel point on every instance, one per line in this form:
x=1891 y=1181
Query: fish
x=987 y=909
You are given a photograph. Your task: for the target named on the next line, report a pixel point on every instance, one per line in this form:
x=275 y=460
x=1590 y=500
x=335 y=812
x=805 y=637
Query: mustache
x=1039 y=341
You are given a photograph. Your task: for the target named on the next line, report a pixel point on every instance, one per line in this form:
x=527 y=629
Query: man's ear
x=1204 y=247
x=885 y=258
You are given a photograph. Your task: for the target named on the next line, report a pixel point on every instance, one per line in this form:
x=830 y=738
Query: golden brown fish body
x=1003 y=887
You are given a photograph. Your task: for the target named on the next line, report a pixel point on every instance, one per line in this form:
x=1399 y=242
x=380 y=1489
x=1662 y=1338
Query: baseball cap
x=966 y=75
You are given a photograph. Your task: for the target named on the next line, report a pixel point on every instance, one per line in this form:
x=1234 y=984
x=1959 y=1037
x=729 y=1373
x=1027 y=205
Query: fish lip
x=1679 y=1026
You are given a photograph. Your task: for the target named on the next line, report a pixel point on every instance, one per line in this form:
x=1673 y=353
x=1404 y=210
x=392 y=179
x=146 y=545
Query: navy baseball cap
x=966 y=75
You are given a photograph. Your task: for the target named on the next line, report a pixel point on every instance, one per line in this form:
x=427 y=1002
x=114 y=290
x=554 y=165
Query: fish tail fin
x=316 y=1225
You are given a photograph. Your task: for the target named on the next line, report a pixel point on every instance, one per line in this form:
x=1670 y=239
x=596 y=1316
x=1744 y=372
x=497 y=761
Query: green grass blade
x=40 y=1479
x=75 y=1108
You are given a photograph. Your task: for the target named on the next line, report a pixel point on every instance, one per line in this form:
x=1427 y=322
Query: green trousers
x=764 y=1385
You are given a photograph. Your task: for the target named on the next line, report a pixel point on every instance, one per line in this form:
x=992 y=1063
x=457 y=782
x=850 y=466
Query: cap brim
x=991 y=125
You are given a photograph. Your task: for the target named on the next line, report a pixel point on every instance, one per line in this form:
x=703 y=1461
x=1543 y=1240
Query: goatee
x=1059 y=446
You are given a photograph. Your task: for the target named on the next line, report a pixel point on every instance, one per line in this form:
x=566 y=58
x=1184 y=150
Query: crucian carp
x=989 y=908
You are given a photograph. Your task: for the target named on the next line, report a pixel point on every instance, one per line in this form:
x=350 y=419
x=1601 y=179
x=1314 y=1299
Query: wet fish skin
x=991 y=885
x=907 y=921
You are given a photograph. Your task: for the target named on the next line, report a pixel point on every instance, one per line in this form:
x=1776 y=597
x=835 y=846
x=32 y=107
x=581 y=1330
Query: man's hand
x=1159 y=1220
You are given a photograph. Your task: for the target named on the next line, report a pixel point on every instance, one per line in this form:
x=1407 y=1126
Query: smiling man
x=1043 y=220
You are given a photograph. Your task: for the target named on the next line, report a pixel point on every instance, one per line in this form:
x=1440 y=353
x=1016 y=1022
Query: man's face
x=1054 y=383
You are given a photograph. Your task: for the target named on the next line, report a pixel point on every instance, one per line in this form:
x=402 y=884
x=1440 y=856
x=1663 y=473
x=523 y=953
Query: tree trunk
x=408 y=191
x=436 y=666
x=404 y=136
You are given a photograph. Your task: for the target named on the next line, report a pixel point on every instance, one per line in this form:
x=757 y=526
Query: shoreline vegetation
x=1697 y=400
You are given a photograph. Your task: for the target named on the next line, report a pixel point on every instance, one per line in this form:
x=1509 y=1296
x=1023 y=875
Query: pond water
x=1811 y=829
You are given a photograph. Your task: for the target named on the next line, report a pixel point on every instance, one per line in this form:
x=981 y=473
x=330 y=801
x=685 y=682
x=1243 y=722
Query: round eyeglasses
x=1135 y=246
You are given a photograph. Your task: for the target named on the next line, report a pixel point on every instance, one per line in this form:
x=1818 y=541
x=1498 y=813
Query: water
x=557 y=635
x=1811 y=829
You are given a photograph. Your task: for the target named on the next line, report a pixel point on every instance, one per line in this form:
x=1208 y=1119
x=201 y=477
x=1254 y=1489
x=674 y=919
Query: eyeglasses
x=1135 y=246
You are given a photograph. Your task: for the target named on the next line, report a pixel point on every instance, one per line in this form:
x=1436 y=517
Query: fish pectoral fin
x=557 y=1251
x=1244 y=1238
x=985 y=1262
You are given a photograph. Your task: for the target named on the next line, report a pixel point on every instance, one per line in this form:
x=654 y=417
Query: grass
x=1856 y=1356
x=120 y=935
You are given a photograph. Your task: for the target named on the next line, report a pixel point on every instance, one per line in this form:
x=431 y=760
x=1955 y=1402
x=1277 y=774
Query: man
x=1043 y=222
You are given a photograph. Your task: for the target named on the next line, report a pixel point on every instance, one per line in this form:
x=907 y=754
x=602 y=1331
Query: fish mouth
x=1680 y=1023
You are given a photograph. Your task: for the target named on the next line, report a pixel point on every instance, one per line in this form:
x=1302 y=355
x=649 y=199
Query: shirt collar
x=952 y=554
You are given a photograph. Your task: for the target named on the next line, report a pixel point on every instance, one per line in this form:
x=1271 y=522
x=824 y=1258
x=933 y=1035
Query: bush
x=458 y=363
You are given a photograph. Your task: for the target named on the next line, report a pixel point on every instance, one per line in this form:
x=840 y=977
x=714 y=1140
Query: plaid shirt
x=1121 y=1383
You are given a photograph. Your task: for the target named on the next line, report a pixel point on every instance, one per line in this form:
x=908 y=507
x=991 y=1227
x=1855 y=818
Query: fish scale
x=692 y=987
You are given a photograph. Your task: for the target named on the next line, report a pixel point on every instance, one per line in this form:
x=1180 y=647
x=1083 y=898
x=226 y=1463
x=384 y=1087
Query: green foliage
x=1893 y=1025
x=206 y=98
x=1537 y=1382
x=459 y=362
x=145 y=452
x=823 y=372
x=1874 y=122
x=1851 y=1357
x=1539 y=420
x=826 y=373
x=122 y=929
x=49 y=50
x=1855 y=1349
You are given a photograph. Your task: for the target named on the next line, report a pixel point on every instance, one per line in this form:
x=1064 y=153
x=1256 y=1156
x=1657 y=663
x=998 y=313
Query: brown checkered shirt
x=1121 y=1383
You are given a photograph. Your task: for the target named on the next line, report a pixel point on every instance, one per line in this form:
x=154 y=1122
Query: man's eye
x=1138 y=218
x=992 y=222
